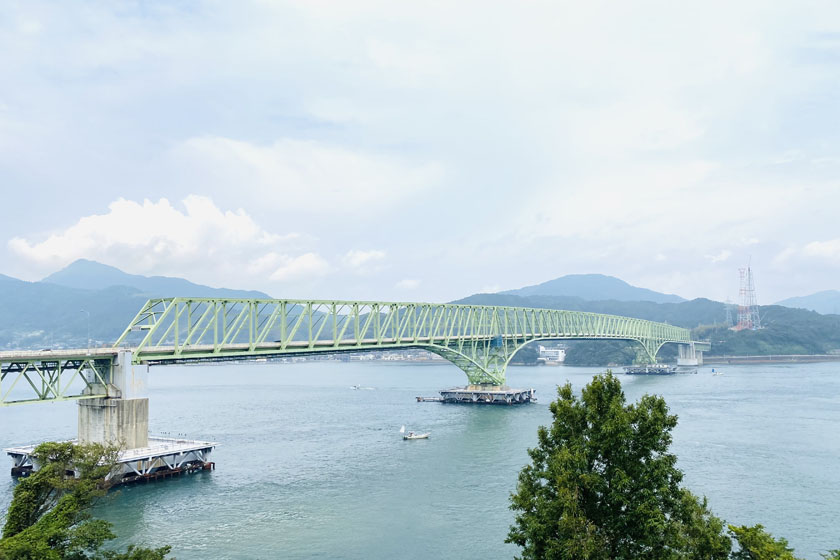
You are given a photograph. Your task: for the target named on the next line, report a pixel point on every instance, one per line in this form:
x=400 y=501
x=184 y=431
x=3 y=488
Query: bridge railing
x=176 y=328
x=479 y=339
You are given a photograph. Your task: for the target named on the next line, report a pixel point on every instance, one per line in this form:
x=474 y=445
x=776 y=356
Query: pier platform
x=162 y=458
x=483 y=394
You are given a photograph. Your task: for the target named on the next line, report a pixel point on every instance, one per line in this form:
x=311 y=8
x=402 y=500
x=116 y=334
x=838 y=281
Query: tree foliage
x=755 y=543
x=603 y=485
x=48 y=518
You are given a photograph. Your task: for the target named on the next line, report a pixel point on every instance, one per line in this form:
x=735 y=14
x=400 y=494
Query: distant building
x=552 y=356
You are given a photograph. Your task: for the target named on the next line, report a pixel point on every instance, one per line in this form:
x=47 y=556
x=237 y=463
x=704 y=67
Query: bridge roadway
x=479 y=339
x=113 y=406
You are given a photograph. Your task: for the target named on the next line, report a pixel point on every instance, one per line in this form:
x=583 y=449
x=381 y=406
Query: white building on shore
x=552 y=356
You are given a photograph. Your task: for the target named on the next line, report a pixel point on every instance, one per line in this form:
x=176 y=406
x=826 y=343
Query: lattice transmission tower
x=728 y=306
x=748 y=318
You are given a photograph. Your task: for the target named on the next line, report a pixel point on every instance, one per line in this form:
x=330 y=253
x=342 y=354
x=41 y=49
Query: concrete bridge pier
x=121 y=417
x=689 y=355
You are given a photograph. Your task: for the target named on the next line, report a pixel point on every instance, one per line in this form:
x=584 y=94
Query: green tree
x=602 y=485
x=755 y=543
x=48 y=518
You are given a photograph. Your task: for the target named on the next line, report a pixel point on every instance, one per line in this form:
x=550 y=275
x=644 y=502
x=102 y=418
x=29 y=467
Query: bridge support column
x=121 y=417
x=124 y=422
x=689 y=355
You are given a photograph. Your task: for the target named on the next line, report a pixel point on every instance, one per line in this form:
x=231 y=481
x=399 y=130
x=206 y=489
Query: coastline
x=772 y=359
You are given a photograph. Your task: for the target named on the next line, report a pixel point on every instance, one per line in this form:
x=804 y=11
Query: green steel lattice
x=479 y=339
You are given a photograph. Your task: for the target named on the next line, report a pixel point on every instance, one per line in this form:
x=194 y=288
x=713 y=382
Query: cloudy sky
x=424 y=151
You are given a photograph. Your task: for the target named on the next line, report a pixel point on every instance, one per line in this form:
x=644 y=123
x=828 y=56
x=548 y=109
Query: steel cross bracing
x=479 y=339
x=54 y=375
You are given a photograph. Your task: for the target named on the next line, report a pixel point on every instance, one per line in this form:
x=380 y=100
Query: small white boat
x=412 y=435
x=716 y=372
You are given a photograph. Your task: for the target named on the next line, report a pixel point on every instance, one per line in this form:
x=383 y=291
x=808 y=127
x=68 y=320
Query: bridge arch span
x=486 y=365
x=479 y=339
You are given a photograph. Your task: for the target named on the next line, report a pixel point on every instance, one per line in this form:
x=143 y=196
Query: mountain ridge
x=57 y=312
x=87 y=274
x=786 y=330
x=594 y=287
x=826 y=302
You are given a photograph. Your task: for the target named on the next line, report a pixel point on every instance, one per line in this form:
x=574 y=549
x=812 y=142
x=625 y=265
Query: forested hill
x=85 y=300
x=594 y=287
x=786 y=330
x=688 y=314
x=825 y=302
x=91 y=275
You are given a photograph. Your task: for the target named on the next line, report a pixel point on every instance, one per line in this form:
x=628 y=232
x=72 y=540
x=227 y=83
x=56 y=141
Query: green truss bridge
x=479 y=339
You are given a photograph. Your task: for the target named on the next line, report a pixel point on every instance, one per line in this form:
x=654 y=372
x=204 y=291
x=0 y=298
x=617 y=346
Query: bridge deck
x=58 y=354
x=479 y=339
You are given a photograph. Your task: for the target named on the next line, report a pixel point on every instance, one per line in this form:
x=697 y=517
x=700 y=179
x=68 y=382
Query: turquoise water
x=308 y=468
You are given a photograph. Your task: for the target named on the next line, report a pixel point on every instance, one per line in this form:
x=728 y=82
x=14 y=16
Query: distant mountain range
x=827 y=302
x=594 y=287
x=53 y=313
x=786 y=330
x=686 y=314
x=91 y=275
x=59 y=310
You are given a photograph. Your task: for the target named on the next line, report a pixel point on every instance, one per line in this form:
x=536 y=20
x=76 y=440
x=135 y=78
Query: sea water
x=308 y=467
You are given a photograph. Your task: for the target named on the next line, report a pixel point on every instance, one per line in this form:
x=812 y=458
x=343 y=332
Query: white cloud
x=828 y=250
x=407 y=64
x=358 y=259
x=719 y=257
x=201 y=242
x=408 y=284
x=806 y=256
x=782 y=257
x=335 y=110
x=631 y=123
x=303 y=267
x=547 y=138
x=154 y=229
x=639 y=200
x=307 y=176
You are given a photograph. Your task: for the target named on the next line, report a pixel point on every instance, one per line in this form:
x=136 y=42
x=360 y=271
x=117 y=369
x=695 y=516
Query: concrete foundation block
x=117 y=421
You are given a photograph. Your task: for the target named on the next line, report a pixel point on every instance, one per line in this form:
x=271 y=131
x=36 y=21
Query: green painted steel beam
x=53 y=378
x=479 y=339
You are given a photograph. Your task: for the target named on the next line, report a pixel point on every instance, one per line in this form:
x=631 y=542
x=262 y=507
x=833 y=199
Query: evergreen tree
x=602 y=485
x=48 y=518
x=755 y=543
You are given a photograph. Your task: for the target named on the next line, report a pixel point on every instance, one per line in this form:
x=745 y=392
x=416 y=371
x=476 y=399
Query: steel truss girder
x=50 y=379
x=479 y=339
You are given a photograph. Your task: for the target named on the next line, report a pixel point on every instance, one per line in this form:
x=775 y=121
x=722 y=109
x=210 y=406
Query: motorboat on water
x=412 y=435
